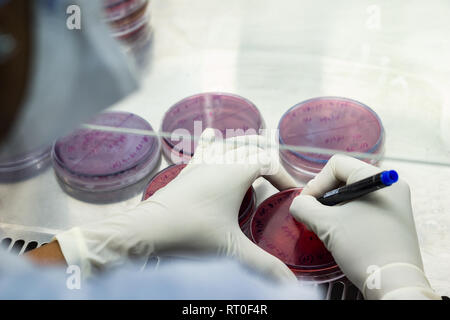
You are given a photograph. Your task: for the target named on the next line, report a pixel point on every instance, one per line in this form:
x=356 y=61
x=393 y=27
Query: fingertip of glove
x=300 y=203
x=207 y=137
x=281 y=273
x=311 y=188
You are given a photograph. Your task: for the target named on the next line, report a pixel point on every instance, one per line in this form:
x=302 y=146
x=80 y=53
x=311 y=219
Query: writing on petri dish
x=275 y=230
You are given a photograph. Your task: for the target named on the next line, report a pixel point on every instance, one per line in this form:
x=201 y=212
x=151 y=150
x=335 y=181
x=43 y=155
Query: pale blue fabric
x=74 y=75
x=214 y=279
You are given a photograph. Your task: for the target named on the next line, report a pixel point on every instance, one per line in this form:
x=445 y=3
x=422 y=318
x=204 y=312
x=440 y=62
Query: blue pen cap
x=389 y=177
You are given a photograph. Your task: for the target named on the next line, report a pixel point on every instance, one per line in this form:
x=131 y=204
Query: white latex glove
x=375 y=230
x=195 y=214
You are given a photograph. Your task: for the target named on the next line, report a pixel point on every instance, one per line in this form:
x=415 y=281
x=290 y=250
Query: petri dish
x=162 y=178
x=334 y=123
x=230 y=114
x=274 y=229
x=101 y=166
x=140 y=49
x=25 y=166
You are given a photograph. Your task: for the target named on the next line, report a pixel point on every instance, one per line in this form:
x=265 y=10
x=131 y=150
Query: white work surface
x=391 y=55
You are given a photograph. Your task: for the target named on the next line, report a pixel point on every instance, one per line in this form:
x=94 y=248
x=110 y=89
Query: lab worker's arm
x=195 y=214
x=373 y=238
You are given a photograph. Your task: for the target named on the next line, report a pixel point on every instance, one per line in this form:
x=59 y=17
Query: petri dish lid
x=23 y=161
x=247 y=206
x=332 y=123
x=162 y=178
x=119 y=9
x=26 y=165
x=277 y=232
x=217 y=110
x=94 y=153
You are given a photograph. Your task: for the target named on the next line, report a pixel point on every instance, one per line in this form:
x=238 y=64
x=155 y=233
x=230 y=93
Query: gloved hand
x=374 y=232
x=195 y=214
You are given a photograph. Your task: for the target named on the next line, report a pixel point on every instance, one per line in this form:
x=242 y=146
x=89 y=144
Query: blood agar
x=232 y=115
x=274 y=229
x=102 y=166
x=25 y=166
x=125 y=28
x=335 y=123
x=119 y=9
x=162 y=178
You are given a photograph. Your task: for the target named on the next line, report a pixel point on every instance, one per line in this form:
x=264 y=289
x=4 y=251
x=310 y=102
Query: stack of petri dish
x=130 y=24
x=230 y=114
x=274 y=229
x=332 y=123
x=25 y=166
x=162 y=178
x=105 y=166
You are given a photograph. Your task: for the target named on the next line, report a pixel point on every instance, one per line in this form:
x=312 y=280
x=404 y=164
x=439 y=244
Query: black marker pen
x=359 y=188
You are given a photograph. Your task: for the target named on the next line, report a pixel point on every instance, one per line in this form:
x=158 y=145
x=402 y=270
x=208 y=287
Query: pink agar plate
x=331 y=123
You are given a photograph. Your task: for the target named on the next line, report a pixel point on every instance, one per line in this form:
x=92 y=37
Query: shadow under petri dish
x=162 y=178
x=25 y=166
x=334 y=123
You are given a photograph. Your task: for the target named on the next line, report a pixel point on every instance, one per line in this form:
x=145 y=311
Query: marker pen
x=359 y=188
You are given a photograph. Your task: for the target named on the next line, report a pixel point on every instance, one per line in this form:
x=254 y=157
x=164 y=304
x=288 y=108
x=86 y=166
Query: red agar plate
x=275 y=230
x=168 y=174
